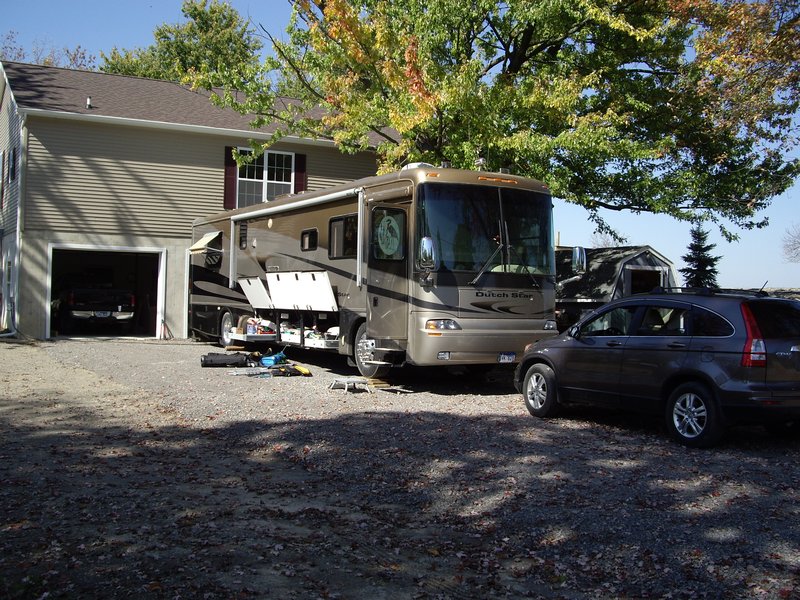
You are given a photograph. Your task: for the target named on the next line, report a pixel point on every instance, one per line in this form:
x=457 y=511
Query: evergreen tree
x=701 y=266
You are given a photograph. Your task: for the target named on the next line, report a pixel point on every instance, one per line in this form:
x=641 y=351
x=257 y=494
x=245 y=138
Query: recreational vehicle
x=424 y=266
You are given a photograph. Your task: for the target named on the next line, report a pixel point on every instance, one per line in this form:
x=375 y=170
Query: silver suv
x=701 y=358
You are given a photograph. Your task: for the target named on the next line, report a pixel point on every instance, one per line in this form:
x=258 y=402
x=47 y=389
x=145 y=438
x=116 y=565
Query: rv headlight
x=550 y=326
x=440 y=324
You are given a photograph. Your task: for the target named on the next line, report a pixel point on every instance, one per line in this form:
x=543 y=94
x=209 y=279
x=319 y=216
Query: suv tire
x=692 y=416
x=539 y=391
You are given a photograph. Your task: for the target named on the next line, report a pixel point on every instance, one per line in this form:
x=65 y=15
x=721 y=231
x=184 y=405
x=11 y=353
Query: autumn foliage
x=683 y=107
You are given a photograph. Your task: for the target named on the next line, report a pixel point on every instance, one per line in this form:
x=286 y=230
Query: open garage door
x=103 y=292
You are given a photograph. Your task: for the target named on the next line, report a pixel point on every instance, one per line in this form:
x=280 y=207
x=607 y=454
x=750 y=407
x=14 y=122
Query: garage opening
x=103 y=293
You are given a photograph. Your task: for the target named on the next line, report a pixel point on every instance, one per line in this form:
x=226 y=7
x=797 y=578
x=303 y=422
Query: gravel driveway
x=128 y=470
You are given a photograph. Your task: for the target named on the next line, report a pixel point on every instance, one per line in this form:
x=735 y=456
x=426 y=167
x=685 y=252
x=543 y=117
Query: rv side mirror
x=578 y=260
x=427 y=254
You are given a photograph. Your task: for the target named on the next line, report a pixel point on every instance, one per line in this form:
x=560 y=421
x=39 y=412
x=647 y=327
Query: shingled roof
x=64 y=92
x=604 y=266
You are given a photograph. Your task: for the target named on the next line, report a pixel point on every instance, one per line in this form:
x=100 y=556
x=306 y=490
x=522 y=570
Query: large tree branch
x=296 y=69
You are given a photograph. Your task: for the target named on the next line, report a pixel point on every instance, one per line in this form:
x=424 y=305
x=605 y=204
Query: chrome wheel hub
x=537 y=391
x=689 y=415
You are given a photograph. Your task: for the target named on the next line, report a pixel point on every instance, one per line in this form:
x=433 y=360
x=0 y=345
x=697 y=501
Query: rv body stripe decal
x=221 y=293
x=416 y=302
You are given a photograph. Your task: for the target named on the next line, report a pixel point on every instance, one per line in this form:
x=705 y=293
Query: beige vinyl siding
x=9 y=139
x=328 y=166
x=100 y=179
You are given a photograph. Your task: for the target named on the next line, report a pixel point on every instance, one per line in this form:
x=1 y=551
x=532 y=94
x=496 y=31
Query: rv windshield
x=482 y=228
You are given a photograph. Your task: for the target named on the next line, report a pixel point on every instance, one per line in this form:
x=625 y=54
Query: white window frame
x=264 y=181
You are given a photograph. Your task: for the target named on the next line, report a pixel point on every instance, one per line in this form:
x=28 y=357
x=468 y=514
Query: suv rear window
x=777 y=319
x=708 y=324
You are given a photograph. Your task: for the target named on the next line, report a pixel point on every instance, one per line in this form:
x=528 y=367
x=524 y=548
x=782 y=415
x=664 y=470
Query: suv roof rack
x=709 y=291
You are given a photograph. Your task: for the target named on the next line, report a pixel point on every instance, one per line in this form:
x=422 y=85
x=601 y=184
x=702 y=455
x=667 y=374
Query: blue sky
x=99 y=25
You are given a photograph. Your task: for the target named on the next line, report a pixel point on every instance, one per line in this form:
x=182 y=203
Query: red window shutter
x=231 y=174
x=300 y=176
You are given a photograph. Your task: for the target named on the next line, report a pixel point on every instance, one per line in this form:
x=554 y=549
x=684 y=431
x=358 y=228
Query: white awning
x=201 y=245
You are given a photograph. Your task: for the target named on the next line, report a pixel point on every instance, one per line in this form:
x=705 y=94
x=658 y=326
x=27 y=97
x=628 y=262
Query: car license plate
x=506 y=357
x=103 y=314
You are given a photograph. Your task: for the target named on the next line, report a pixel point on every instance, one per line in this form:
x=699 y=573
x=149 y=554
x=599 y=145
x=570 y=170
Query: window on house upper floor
x=264 y=178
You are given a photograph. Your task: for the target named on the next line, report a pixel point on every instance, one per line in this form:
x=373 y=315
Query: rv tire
x=362 y=350
x=225 y=324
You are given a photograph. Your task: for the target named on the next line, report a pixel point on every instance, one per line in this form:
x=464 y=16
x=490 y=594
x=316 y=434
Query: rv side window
x=388 y=233
x=308 y=240
x=342 y=237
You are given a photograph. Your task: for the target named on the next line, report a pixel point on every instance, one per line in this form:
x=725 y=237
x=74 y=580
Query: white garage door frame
x=161 y=285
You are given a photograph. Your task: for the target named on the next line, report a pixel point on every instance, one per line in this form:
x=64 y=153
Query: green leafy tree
x=214 y=37
x=701 y=266
x=639 y=105
x=41 y=54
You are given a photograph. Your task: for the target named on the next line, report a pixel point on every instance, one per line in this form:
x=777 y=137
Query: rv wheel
x=225 y=325
x=362 y=354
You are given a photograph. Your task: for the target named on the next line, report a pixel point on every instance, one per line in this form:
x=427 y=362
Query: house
x=610 y=273
x=102 y=176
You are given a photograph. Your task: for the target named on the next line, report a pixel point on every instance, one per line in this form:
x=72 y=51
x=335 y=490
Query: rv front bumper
x=496 y=342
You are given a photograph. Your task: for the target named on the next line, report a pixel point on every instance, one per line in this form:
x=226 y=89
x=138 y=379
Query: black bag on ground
x=217 y=359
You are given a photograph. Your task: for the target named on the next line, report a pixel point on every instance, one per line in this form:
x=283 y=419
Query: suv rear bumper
x=762 y=407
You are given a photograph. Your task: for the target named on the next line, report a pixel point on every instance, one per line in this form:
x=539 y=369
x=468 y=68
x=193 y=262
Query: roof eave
x=166 y=126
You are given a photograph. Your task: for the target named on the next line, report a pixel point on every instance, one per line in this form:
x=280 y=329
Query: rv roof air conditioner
x=417 y=165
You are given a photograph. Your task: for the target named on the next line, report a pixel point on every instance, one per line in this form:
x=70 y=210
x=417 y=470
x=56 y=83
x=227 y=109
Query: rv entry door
x=387 y=272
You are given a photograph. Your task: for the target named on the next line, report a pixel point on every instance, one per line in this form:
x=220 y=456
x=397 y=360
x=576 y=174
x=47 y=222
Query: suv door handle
x=613 y=343
x=676 y=345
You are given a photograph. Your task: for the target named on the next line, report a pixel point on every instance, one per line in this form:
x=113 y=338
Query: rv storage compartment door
x=302 y=290
x=256 y=293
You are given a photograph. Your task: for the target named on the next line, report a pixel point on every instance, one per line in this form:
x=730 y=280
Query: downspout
x=12 y=330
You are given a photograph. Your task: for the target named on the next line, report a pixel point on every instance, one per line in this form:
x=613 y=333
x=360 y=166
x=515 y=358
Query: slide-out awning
x=201 y=245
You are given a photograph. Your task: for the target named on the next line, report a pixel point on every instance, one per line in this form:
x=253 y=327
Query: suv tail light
x=754 y=353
